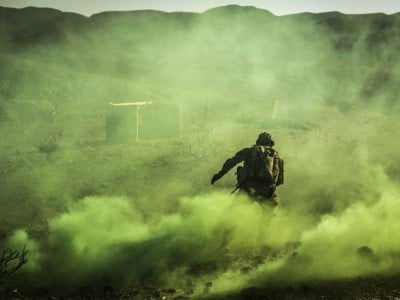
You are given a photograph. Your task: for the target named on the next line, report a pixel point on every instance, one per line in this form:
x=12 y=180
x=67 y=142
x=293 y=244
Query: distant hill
x=229 y=52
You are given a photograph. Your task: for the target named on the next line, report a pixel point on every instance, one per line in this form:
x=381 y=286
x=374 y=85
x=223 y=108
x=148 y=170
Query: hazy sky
x=278 y=7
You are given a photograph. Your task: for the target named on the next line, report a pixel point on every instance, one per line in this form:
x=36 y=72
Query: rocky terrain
x=138 y=219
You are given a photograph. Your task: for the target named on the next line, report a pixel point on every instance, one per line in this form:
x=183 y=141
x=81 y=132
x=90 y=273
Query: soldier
x=261 y=172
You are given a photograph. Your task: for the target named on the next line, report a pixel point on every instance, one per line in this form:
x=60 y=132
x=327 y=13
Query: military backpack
x=264 y=164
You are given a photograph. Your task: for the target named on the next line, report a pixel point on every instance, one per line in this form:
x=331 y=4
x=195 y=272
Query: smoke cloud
x=107 y=240
x=94 y=213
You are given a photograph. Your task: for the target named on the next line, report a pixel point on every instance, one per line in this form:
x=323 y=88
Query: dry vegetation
x=338 y=88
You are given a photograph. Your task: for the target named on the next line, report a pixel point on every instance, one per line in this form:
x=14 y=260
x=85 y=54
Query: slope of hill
x=144 y=213
x=231 y=51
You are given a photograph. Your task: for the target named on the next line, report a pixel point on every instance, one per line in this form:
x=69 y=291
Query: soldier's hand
x=215 y=178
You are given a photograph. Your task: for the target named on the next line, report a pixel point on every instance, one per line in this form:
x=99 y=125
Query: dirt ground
x=89 y=166
x=372 y=288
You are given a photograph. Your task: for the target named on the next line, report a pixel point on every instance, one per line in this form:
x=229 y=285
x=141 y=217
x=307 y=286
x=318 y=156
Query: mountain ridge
x=186 y=51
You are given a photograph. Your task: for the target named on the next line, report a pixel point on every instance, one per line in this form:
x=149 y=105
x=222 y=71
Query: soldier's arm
x=230 y=163
x=281 y=165
x=234 y=160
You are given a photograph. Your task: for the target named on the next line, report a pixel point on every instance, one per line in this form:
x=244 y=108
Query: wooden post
x=208 y=107
x=180 y=120
x=137 y=123
x=275 y=109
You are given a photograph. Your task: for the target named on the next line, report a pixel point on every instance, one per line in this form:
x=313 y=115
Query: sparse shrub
x=10 y=262
x=47 y=148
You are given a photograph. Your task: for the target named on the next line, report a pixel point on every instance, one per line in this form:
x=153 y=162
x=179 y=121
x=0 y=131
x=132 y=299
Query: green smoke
x=144 y=212
x=107 y=240
x=356 y=243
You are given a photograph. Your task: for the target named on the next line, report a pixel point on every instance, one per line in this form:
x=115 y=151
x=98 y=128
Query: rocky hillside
x=230 y=52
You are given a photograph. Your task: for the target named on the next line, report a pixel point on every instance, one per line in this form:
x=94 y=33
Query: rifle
x=236 y=188
x=240 y=179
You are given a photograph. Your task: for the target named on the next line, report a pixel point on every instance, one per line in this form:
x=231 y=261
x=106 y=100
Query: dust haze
x=144 y=212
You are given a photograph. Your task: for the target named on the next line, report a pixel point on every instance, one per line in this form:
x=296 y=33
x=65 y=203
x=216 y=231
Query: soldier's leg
x=274 y=199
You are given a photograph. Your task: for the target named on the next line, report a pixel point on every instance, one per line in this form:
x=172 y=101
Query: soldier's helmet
x=265 y=139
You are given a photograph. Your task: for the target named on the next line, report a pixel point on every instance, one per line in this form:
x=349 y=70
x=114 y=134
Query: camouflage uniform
x=260 y=189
